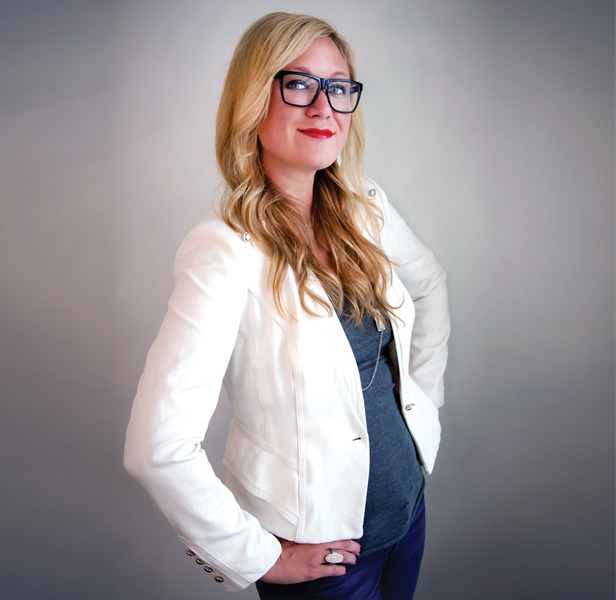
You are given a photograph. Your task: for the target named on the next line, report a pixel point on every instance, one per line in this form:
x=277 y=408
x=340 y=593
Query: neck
x=297 y=186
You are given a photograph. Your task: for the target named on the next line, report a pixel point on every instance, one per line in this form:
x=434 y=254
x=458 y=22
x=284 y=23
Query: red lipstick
x=319 y=134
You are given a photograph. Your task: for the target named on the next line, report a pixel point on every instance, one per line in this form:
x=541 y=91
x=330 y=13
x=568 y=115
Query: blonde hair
x=340 y=208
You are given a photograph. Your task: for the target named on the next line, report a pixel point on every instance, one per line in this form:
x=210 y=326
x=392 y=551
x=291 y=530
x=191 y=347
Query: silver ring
x=334 y=557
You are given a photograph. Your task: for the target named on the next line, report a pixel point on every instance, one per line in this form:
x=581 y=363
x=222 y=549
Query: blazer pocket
x=263 y=473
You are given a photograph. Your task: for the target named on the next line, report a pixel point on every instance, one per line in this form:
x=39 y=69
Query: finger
x=327 y=570
x=349 y=545
x=349 y=557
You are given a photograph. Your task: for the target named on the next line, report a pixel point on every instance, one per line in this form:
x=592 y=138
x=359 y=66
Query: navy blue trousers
x=387 y=574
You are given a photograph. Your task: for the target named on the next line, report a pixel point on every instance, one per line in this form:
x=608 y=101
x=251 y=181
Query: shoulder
x=213 y=242
x=377 y=197
x=374 y=191
x=395 y=236
x=378 y=209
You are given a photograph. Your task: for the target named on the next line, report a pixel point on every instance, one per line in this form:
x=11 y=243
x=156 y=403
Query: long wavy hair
x=341 y=210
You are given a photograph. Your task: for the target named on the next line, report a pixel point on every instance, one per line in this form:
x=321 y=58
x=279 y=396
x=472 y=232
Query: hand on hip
x=305 y=562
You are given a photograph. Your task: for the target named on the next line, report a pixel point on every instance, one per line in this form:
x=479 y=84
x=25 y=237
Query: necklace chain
x=378 y=357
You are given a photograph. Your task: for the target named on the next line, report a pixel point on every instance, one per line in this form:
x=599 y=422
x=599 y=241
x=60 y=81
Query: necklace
x=381 y=325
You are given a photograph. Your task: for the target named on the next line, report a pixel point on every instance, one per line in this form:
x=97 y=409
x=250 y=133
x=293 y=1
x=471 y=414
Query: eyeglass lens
x=301 y=90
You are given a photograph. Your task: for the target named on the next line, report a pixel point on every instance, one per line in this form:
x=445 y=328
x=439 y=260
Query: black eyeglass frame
x=323 y=85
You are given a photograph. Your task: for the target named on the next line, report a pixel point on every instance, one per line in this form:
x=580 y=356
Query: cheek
x=270 y=134
x=274 y=128
x=268 y=125
x=344 y=125
x=264 y=133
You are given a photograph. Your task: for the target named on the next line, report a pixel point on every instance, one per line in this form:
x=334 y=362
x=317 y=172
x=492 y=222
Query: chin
x=322 y=163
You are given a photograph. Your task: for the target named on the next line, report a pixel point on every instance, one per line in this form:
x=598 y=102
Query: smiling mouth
x=319 y=134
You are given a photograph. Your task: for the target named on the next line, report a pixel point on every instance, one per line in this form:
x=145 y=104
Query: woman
x=287 y=304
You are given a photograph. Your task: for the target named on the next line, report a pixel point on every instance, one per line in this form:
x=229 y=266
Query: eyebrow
x=337 y=74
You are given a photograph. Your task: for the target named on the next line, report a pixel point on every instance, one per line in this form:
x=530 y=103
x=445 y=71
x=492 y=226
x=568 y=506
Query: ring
x=334 y=557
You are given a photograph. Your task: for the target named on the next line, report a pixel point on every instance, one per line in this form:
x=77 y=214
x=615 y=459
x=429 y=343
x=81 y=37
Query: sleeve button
x=199 y=561
x=409 y=406
x=218 y=579
x=208 y=569
x=190 y=553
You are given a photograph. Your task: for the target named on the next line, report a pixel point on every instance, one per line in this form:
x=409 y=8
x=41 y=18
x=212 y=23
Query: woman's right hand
x=305 y=562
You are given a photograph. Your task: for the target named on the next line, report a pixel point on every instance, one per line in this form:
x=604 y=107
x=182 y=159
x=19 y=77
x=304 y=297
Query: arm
x=424 y=278
x=176 y=397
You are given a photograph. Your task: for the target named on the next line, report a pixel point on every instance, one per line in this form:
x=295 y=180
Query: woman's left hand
x=304 y=562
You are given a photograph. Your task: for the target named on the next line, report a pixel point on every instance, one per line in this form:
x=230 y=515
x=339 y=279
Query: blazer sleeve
x=176 y=396
x=424 y=278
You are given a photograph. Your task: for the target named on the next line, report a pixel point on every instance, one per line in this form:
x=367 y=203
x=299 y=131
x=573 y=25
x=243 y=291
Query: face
x=298 y=141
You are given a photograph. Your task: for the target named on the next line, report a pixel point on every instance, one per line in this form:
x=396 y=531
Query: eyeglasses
x=301 y=89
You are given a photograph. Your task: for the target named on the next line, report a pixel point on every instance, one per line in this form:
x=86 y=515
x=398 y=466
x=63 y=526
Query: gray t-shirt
x=396 y=480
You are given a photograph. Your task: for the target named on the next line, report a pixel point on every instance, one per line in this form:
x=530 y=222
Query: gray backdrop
x=490 y=123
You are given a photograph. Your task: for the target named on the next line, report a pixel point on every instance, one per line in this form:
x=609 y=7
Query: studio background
x=489 y=123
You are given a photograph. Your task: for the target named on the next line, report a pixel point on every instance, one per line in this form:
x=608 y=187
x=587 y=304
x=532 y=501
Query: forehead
x=322 y=58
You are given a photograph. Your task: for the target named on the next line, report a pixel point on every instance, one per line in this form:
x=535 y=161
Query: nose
x=320 y=107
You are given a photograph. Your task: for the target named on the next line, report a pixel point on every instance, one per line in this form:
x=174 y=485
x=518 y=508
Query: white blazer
x=297 y=454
